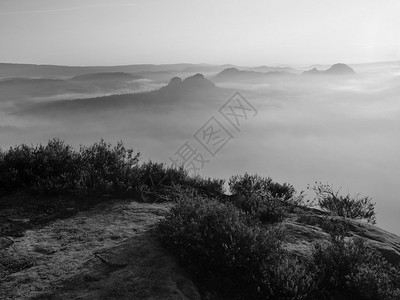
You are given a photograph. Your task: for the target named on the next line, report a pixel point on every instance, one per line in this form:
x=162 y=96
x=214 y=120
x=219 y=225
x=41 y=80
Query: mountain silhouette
x=190 y=90
x=234 y=74
x=336 y=69
x=106 y=76
x=273 y=69
x=340 y=69
x=21 y=89
x=8 y=70
x=190 y=84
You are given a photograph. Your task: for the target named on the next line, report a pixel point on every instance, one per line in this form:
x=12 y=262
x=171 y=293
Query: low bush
x=159 y=174
x=294 y=279
x=107 y=170
x=263 y=208
x=358 y=208
x=231 y=254
x=206 y=186
x=94 y=171
x=153 y=174
x=50 y=169
x=55 y=168
x=58 y=169
x=248 y=185
x=16 y=168
x=254 y=185
x=348 y=267
x=262 y=198
x=215 y=241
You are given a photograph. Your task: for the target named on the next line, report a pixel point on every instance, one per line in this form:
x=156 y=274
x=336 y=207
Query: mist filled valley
x=331 y=127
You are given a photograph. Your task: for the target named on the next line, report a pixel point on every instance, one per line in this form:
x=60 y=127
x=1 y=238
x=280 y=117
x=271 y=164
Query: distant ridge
x=274 y=69
x=8 y=70
x=236 y=74
x=190 y=90
x=106 y=76
x=336 y=69
x=193 y=83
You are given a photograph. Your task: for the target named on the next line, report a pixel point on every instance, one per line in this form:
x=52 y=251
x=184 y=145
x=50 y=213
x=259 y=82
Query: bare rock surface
x=107 y=252
x=303 y=230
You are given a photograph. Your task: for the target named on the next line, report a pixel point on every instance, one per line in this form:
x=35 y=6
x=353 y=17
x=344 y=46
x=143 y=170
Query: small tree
x=356 y=207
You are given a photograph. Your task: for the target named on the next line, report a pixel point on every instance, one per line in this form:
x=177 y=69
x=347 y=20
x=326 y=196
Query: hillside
x=95 y=223
x=61 y=263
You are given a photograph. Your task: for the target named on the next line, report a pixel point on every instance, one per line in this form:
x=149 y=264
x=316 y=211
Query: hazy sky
x=101 y=32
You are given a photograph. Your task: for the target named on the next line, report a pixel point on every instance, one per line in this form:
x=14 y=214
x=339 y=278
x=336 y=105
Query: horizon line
x=192 y=63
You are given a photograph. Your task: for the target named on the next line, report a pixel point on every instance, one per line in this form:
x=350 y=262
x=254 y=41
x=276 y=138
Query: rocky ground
x=106 y=252
x=304 y=227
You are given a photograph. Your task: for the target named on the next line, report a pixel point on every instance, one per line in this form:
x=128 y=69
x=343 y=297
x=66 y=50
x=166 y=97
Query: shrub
x=215 y=241
x=16 y=168
x=255 y=185
x=248 y=185
x=264 y=199
x=94 y=171
x=263 y=208
x=159 y=174
x=57 y=169
x=358 y=208
x=228 y=253
x=375 y=278
x=294 y=279
x=153 y=173
x=350 y=268
x=283 y=191
x=210 y=187
x=107 y=169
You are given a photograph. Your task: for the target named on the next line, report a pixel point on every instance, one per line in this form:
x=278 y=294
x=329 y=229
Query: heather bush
x=248 y=185
x=55 y=168
x=375 y=278
x=154 y=174
x=254 y=185
x=58 y=169
x=229 y=252
x=206 y=186
x=294 y=279
x=94 y=171
x=262 y=198
x=107 y=170
x=348 y=267
x=263 y=208
x=358 y=208
x=16 y=168
x=215 y=241
x=50 y=169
